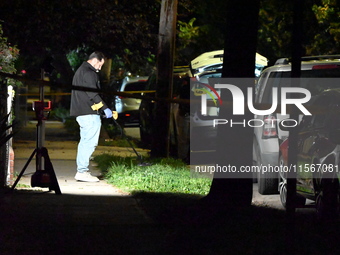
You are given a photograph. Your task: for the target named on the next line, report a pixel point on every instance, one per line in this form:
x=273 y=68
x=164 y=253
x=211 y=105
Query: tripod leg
x=23 y=170
x=49 y=167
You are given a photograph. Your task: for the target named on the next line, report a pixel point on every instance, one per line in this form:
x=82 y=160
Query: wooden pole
x=293 y=134
x=165 y=62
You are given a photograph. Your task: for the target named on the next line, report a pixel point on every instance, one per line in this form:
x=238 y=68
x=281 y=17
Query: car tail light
x=332 y=66
x=269 y=127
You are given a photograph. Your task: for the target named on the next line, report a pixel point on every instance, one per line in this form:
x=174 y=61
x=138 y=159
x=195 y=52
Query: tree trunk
x=165 y=60
x=234 y=143
x=105 y=73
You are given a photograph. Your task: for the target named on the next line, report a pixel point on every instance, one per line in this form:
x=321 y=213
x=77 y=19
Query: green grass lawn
x=169 y=195
x=163 y=175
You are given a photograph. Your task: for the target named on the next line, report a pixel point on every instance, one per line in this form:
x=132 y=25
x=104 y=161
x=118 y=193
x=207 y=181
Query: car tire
x=282 y=183
x=327 y=201
x=299 y=201
x=267 y=181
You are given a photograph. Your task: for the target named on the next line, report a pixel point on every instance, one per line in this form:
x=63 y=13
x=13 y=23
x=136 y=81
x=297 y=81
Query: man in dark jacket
x=85 y=105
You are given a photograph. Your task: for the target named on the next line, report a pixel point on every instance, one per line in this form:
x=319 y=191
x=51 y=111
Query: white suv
x=128 y=107
x=268 y=137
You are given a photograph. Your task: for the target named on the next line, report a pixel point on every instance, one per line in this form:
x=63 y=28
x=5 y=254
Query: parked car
x=146 y=109
x=190 y=130
x=207 y=68
x=128 y=108
x=318 y=156
x=202 y=133
x=268 y=137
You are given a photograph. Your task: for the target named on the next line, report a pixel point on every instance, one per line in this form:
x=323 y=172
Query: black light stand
x=44 y=176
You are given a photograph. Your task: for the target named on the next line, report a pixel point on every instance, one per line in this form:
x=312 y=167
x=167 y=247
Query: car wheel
x=282 y=183
x=299 y=201
x=327 y=201
x=267 y=181
x=283 y=193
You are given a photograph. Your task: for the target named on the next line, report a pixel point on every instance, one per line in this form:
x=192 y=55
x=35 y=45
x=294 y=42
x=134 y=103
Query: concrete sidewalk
x=62 y=150
x=87 y=218
x=33 y=222
x=62 y=155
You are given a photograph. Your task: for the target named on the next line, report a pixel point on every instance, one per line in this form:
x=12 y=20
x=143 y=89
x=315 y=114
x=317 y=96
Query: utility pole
x=293 y=134
x=165 y=62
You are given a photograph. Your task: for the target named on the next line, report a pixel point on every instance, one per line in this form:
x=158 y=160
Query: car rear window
x=318 y=72
x=315 y=80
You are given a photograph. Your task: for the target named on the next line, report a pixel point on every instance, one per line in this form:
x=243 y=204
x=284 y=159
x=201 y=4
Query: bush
x=60 y=113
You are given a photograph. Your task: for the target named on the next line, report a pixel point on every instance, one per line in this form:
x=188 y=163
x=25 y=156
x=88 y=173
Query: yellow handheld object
x=96 y=107
x=115 y=115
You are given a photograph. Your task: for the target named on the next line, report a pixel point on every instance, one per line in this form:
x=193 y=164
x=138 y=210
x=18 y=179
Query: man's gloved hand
x=108 y=113
x=115 y=115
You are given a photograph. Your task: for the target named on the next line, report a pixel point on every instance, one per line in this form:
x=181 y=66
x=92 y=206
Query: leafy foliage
x=58 y=27
x=128 y=33
x=76 y=57
x=320 y=24
x=274 y=35
x=8 y=54
x=327 y=14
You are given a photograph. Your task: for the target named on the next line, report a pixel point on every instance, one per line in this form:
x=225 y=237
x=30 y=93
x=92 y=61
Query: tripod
x=44 y=176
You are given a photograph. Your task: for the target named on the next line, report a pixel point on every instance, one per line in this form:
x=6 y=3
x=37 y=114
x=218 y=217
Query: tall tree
x=327 y=38
x=56 y=27
x=234 y=143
